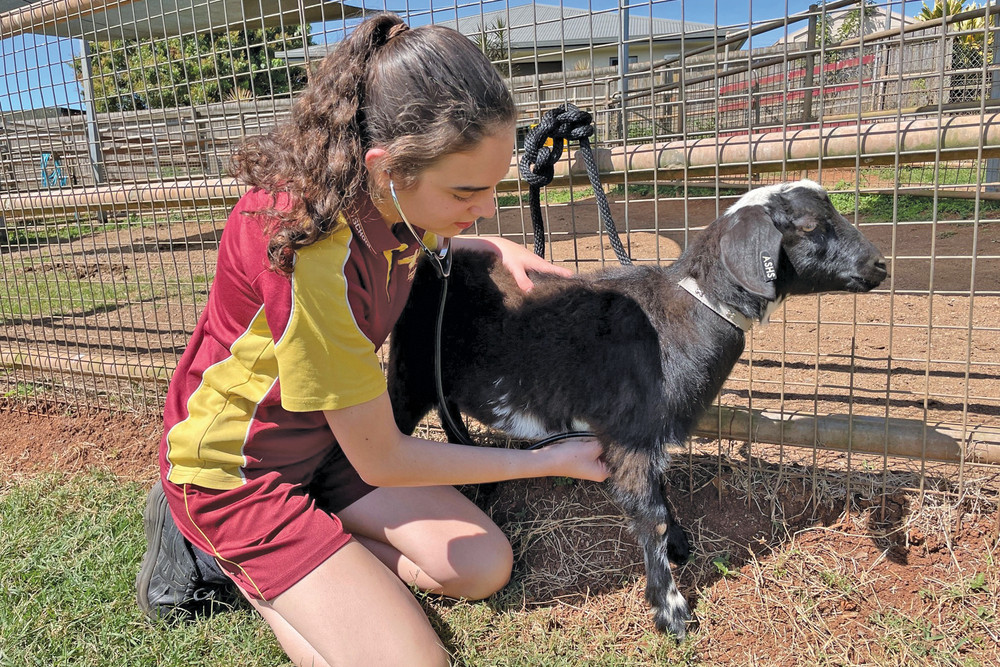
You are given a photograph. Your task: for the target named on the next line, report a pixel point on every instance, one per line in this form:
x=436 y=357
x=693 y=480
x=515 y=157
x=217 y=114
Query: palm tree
x=974 y=29
x=492 y=41
x=972 y=46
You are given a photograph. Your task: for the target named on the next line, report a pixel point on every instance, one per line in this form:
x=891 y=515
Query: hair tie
x=396 y=30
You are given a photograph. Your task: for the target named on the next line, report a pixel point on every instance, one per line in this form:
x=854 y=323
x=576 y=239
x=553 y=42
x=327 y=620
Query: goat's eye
x=808 y=227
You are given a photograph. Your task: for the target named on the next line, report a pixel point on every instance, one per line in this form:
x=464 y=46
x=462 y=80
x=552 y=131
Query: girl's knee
x=484 y=569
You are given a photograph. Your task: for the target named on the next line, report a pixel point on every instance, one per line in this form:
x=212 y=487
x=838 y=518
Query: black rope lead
x=537 y=168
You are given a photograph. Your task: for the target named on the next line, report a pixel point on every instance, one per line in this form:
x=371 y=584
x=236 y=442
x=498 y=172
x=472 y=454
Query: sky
x=37 y=70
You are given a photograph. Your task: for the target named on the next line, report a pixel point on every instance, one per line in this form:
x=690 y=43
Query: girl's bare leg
x=433 y=538
x=351 y=610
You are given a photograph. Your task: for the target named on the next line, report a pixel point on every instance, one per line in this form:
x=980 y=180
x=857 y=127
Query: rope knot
x=537 y=165
x=537 y=168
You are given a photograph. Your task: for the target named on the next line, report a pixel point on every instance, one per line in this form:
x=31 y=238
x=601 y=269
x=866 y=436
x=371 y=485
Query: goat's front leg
x=638 y=486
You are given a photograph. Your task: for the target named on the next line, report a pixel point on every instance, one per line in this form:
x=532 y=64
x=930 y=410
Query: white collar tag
x=723 y=310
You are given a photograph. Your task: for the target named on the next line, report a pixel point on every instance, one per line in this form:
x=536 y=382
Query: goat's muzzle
x=870 y=275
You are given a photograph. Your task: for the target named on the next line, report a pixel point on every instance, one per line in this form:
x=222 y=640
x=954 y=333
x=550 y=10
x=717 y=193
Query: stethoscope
x=441 y=261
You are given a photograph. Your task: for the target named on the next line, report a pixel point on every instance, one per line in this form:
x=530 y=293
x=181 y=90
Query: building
x=541 y=39
x=841 y=28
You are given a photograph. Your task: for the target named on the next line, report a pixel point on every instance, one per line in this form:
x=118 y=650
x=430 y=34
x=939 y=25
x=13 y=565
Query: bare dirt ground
x=801 y=557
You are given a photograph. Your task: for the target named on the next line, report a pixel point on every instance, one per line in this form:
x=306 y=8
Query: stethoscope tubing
x=441 y=261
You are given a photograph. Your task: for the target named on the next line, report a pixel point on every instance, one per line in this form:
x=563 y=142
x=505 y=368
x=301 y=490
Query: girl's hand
x=579 y=458
x=518 y=259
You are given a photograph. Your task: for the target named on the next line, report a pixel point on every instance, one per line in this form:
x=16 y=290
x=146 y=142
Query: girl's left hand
x=518 y=259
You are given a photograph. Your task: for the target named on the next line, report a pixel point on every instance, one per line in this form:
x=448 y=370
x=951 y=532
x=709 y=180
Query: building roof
x=527 y=26
x=547 y=26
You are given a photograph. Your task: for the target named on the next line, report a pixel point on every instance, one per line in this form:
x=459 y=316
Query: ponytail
x=420 y=94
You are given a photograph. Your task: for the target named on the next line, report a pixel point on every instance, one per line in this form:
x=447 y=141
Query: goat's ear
x=750 y=249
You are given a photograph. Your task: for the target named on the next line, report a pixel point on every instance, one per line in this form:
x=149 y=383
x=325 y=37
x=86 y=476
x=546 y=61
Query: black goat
x=633 y=354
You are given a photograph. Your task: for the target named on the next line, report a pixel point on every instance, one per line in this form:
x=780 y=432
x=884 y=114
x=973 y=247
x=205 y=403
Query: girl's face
x=450 y=195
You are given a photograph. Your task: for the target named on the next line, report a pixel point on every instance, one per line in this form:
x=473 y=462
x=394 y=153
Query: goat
x=633 y=354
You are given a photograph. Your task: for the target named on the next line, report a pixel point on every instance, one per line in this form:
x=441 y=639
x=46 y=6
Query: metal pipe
x=868 y=435
x=51 y=12
x=923 y=140
x=179 y=194
x=959 y=137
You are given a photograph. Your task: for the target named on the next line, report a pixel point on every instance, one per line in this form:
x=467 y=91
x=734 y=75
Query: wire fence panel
x=118 y=120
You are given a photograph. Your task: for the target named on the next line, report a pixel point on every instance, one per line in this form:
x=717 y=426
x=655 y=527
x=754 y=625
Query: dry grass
x=798 y=560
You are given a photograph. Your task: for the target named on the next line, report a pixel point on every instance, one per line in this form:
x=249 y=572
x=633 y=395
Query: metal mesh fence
x=118 y=120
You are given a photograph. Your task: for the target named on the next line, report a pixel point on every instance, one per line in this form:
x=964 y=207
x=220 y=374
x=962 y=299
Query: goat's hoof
x=678 y=547
x=672 y=620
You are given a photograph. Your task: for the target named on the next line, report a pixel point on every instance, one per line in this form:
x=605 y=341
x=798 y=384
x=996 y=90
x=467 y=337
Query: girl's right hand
x=579 y=458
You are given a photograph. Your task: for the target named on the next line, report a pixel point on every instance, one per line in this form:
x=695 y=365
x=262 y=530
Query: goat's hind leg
x=639 y=490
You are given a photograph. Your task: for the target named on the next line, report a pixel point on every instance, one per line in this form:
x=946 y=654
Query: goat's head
x=789 y=239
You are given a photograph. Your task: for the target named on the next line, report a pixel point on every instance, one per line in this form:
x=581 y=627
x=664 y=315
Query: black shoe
x=176 y=581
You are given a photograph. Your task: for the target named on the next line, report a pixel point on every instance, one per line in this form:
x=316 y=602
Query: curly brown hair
x=420 y=94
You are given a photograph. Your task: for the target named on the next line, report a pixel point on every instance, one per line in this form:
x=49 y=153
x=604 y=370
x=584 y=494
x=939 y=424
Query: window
x=613 y=60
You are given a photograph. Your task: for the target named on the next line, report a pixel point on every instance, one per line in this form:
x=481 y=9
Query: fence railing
x=111 y=219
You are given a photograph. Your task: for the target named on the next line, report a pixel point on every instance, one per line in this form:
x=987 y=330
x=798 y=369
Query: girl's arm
x=385 y=457
x=518 y=259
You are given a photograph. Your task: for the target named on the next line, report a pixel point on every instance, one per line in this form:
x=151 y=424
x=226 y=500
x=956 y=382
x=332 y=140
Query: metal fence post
x=991 y=182
x=90 y=109
x=807 y=98
x=623 y=63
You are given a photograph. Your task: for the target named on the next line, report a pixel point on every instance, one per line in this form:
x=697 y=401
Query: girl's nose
x=484 y=205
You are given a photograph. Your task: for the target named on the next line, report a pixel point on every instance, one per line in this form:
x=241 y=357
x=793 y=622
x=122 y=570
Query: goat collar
x=723 y=310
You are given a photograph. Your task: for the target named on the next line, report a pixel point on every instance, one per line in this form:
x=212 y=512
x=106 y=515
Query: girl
x=281 y=458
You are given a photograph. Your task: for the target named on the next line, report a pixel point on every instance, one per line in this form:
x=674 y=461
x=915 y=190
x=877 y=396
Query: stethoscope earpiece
x=441 y=260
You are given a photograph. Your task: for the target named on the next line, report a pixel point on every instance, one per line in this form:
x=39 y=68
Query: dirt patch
x=121 y=444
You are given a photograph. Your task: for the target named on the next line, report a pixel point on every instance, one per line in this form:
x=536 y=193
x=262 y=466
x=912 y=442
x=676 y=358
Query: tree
x=492 y=41
x=971 y=47
x=858 y=21
x=974 y=29
x=194 y=69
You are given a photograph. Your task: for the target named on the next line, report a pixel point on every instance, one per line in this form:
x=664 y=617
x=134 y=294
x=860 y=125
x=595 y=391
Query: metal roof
x=532 y=25
x=144 y=19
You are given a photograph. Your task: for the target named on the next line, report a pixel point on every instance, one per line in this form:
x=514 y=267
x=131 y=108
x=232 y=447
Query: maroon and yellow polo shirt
x=271 y=352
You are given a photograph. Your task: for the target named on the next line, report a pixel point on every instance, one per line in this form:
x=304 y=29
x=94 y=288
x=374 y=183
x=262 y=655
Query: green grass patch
x=70 y=546
x=619 y=191
x=925 y=174
x=69 y=551
x=874 y=207
x=548 y=196
x=59 y=231
x=52 y=289
x=649 y=191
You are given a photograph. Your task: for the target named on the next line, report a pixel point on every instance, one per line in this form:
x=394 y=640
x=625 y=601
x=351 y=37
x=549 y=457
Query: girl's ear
x=378 y=175
x=374 y=158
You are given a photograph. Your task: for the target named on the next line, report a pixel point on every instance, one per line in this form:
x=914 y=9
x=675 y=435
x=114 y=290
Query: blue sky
x=37 y=70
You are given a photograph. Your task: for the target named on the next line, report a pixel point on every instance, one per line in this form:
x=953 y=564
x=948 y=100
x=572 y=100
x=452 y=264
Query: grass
x=53 y=231
x=70 y=545
x=69 y=550
x=48 y=288
x=617 y=191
